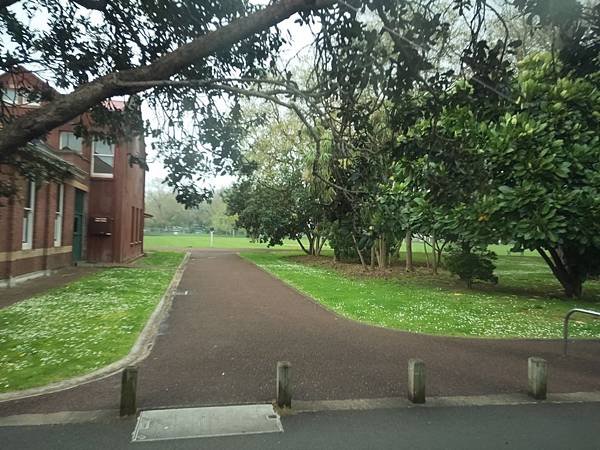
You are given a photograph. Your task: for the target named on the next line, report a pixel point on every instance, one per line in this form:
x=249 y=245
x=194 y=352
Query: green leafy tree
x=546 y=160
x=278 y=199
x=220 y=221
x=273 y=212
x=168 y=214
x=528 y=176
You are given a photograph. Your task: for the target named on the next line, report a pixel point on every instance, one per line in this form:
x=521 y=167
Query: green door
x=78 y=225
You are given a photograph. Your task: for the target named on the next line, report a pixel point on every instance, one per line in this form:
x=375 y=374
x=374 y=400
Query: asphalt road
x=541 y=426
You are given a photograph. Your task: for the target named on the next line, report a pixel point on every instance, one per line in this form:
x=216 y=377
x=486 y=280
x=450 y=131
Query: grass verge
x=83 y=326
x=519 y=307
x=170 y=241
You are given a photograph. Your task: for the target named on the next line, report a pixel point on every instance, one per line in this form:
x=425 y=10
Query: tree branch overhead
x=65 y=108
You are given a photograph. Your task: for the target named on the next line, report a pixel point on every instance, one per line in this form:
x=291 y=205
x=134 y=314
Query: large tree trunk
x=37 y=122
x=573 y=287
x=360 y=255
x=323 y=241
x=409 y=253
x=399 y=249
x=434 y=253
x=383 y=252
x=564 y=272
x=311 y=244
x=439 y=252
x=373 y=254
x=302 y=246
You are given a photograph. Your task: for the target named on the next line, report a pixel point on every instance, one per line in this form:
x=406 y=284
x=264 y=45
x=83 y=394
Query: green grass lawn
x=83 y=326
x=526 y=303
x=499 y=249
x=166 y=241
x=183 y=241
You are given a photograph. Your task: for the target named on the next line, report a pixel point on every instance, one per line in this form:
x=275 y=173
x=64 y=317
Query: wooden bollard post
x=284 y=384
x=128 y=391
x=416 y=381
x=537 y=372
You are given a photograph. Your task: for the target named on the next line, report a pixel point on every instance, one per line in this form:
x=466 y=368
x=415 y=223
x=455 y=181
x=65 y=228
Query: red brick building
x=95 y=215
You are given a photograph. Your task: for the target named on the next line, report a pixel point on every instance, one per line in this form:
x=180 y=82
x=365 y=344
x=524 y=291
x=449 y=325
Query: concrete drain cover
x=184 y=423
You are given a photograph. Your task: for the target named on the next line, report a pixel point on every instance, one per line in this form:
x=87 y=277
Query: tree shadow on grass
x=535 y=283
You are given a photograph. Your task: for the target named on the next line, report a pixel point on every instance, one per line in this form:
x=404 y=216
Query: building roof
x=47 y=155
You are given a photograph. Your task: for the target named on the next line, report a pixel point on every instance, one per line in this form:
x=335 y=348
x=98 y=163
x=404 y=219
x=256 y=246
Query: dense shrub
x=471 y=265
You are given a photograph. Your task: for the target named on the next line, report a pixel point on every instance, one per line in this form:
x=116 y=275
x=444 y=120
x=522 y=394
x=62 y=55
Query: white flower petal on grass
x=84 y=325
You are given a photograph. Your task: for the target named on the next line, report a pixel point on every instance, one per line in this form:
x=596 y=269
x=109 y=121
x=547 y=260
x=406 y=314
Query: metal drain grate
x=186 y=423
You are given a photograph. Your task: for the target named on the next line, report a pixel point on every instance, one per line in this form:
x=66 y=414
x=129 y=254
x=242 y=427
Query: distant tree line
x=168 y=215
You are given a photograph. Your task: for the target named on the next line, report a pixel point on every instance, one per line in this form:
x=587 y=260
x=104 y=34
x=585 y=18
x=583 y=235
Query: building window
x=103 y=159
x=13 y=96
x=137 y=222
x=141 y=226
x=28 y=215
x=58 y=217
x=132 y=240
x=69 y=141
x=10 y=96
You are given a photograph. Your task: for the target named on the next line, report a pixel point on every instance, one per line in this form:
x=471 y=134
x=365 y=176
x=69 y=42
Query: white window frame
x=141 y=227
x=102 y=175
x=5 y=97
x=19 y=98
x=29 y=219
x=63 y=136
x=132 y=240
x=59 y=214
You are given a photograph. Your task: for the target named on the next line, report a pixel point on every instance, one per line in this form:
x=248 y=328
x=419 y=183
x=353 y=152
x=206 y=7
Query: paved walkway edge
x=303 y=406
x=299 y=406
x=139 y=351
x=316 y=302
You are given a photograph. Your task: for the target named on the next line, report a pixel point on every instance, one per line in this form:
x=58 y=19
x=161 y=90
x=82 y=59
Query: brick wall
x=121 y=199
x=44 y=255
x=115 y=198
